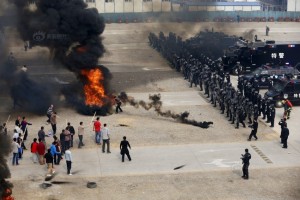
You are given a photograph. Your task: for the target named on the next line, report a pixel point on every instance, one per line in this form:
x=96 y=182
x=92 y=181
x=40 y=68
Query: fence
x=217 y=16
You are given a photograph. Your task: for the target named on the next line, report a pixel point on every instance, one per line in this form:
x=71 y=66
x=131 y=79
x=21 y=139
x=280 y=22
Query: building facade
x=139 y=6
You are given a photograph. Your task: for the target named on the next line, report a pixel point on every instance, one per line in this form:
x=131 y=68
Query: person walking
x=49 y=161
x=42 y=135
x=49 y=113
x=97 y=129
x=62 y=141
x=67 y=139
x=55 y=153
x=124 y=149
x=267 y=31
x=118 y=105
x=53 y=122
x=246 y=158
x=34 y=150
x=16 y=147
x=80 y=134
x=24 y=127
x=285 y=135
x=41 y=149
x=288 y=106
x=106 y=139
x=68 y=157
x=254 y=127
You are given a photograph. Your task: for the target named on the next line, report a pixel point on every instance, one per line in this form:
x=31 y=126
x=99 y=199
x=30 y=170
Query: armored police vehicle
x=284 y=89
x=266 y=74
x=254 y=54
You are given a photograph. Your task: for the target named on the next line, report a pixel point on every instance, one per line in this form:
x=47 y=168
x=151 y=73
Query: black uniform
x=246 y=157
x=284 y=136
x=282 y=124
x=272 y=115
x=254 y=127
x=124 y=149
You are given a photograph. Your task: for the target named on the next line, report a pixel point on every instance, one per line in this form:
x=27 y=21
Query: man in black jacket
x=254 y=127
x=284 y=136
x=72 y=131
x=246 y=157
x=124 y=149
x=282 y=124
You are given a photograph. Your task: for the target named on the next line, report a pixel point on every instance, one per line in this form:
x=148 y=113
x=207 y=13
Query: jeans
x=54 y=128
x=15 y=158
x=34 y=157
x=67 y=145
x=98 y=137
x=245 y=170
x=69 y=165
x=108 y=145
x=80 y=144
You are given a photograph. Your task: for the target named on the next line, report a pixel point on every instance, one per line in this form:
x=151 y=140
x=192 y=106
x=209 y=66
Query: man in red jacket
x=34 y=147
x=41 y=148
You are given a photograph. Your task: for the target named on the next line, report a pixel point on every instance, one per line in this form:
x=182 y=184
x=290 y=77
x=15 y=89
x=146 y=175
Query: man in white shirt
x=80 y=134
x=68 y=157
x=16 y=147
x=105 y=138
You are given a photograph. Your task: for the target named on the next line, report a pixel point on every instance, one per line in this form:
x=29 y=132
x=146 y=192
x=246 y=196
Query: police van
x=254 y=54
x=284 y=89
x=266 y=74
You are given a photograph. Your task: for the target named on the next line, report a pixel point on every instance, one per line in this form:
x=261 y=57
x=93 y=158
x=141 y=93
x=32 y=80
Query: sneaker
x=70 y=174
x=53 y=171
x=103 y=151
x=108 y=152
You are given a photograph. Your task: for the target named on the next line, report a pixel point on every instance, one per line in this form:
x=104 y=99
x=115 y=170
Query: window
x=109 y=1
x=90 y=1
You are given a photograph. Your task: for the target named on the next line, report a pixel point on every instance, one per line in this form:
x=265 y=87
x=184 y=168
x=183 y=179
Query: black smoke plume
x=5 y=149
x=27 y=95
x=72 y=32
x=156 y=104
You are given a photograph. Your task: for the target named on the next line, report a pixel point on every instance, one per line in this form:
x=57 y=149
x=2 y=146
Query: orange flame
x=93 y=90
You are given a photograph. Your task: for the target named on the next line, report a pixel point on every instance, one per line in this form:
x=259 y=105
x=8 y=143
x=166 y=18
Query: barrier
x=203 y=16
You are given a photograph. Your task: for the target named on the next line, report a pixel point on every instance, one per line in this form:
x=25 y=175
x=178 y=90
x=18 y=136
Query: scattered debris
x=179 y=167
x=91 y=185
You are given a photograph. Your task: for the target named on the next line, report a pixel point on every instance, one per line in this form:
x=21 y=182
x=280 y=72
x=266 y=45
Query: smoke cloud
x=71 y=32
x=156 y=104
x=5 y=149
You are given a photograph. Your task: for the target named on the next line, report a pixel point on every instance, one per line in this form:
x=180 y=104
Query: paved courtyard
x=210 y=157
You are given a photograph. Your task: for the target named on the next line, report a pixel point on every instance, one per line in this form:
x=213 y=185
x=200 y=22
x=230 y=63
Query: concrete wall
x=293 y=5
x=138 y=5
x=99 y=5
x=128 y=7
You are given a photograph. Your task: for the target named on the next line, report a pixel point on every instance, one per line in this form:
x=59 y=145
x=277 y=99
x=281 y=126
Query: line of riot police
x=243 y=103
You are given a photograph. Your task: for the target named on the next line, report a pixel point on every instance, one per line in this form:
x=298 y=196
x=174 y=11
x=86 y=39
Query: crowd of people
x=238 y=104
x=51 y=154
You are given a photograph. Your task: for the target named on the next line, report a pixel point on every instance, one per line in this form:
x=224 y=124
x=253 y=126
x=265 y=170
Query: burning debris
x=156 y=103
x=5 y=149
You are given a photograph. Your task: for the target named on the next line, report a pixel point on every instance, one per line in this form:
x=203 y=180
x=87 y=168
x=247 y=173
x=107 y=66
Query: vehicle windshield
x=278 y=86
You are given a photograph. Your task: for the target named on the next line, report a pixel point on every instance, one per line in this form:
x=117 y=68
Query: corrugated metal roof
x=194 y=3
